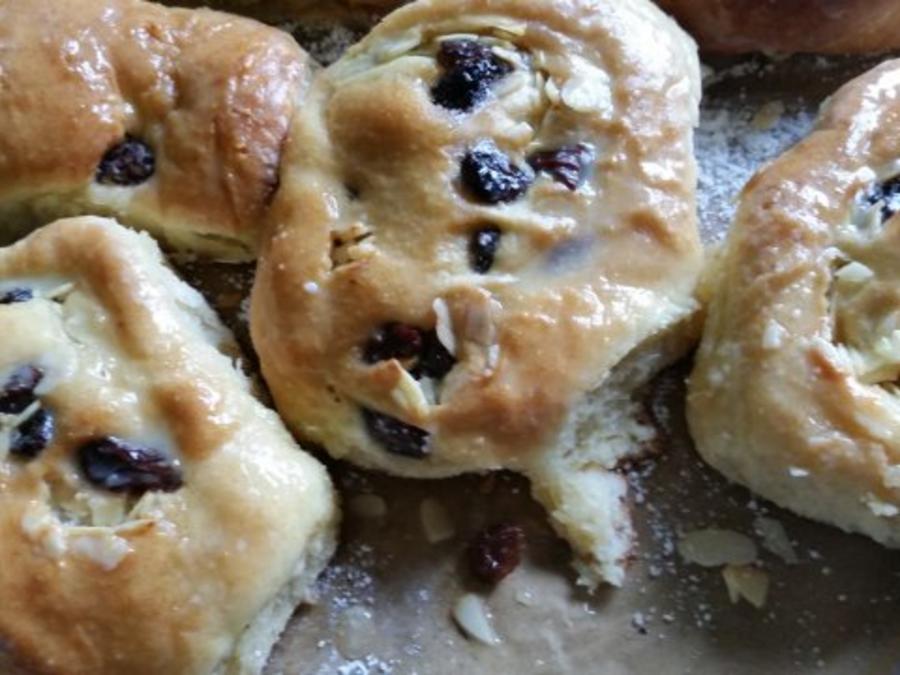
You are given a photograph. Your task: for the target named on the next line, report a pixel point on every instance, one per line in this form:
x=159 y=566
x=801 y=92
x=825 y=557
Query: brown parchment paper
x=385 y=601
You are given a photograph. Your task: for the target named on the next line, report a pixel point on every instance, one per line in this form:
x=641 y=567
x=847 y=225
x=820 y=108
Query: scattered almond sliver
x=713 y=548
x=436 y=523
x=471 y=615
x=775 y=539
x=747 y=582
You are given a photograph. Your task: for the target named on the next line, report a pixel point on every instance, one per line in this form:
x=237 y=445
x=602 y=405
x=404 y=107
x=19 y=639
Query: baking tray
x=385 y=601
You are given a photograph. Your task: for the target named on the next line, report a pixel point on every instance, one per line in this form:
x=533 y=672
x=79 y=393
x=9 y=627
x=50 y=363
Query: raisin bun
x=795 y=389
x=789 y=26
x=172 y=120
x=484 y=243
x=155 y=517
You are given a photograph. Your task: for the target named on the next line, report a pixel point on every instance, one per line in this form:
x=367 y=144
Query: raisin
x=401 y=341
x=398 y=438
x=18 y=392
x=470 y=69
x=393 y=341
x=489 y=175
x=483 y=247
x=119 y=466
x=33 y=435
x=130 y=162
x=14 y=295
x=496 y=551
x=566 y=165
x=435 y=361
x=888 y=194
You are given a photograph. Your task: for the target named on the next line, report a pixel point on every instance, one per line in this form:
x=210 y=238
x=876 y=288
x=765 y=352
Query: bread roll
x=485 y=242
x=155 y=517
x=172 y=120
x=794 y=393
x=790 y=26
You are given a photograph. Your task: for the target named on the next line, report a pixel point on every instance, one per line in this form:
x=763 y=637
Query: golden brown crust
x=96 y=582
x=582 y=276
x=794 y=390
x=211 y=94
x=790 y=26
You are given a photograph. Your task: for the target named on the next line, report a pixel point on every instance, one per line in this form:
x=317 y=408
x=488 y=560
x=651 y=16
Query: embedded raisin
x=398 y=438
x=489 y=175
x=496 y=551
x=566 y=165
x=119 y=466
x=14 y=295
x=470 y=69
x=483 y=247
x=33 y=435
x=18 y=392
x=393 y=341
x=130 y=162
x=435 y=361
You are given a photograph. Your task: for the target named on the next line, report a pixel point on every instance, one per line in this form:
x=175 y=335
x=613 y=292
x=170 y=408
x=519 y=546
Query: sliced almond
x=775 y=539
x=444 y=325
x=409 y=395
x=472 y=617
x=436 y=522
x=713 y=547
x=747 y=582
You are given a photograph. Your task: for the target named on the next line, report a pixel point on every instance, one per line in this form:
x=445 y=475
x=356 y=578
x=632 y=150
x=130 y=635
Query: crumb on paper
x=768 y=116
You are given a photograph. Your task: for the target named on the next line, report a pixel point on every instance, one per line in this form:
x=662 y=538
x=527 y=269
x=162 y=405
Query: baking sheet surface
x=385 y=601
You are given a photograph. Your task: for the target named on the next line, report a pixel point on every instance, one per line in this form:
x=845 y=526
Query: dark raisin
x=33 y=435
x=18 y=392
x=496 y=551
x=470 y=69
x=398 y=438
x=566 y=165
x=120 y=466
x=128 y=163
x=435 y=361
x=490 y=177
x=14 y=295
x=888 y=194
x=393 y=341
x=483 y=247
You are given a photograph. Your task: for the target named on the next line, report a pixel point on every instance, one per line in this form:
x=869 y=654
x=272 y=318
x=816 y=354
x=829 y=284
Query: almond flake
x=436 y=522
x=471 y=616
x=713 y=547
x=747 y=582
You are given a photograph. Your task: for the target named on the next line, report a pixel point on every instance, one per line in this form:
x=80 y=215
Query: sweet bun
x=155 y=517
x=171 y=120
x=790 y=26
x=484 y=244
x=795 y=389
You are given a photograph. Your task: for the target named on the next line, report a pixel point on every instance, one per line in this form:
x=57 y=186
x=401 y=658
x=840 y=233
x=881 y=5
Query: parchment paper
x=385 y=601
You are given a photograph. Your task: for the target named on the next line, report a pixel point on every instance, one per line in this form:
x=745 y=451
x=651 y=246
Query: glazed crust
x=97 y=582
x=790 y=26
x=212 y=95
x=794 y=390
x=373 y=225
